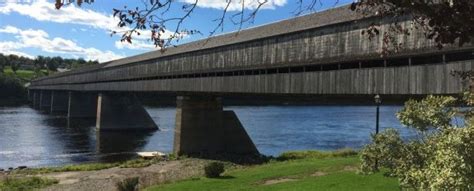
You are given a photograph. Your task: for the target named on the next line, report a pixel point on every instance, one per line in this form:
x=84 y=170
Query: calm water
x=29 y=137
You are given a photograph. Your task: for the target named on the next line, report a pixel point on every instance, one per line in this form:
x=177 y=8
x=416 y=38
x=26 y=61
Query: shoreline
x=106 y=178
x=150 y=172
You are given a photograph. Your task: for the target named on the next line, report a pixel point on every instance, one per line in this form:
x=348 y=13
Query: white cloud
x=9 y=29
x=42 y=10
x=236 y=5
x=18 y=53
x=9 y=47
x=40 y=39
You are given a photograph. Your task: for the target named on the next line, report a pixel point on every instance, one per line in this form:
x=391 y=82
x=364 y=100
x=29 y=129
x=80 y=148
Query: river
x=32 y=138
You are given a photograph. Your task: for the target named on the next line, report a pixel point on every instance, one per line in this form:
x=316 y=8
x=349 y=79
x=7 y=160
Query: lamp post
x=378 y=101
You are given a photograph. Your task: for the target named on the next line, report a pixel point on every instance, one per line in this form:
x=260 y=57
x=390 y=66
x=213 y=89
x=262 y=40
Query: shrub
x=441 y=159
x=431 y=112
x=172 y=156
x=129 y=184
x=451 y=164
x=214 y=169
x=11 y=87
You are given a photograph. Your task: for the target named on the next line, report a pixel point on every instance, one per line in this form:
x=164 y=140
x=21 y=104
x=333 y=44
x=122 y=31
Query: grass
x=292 y=155
x=129 y=184
x=138 y=163
x=79 y=167
x=309 y=171
x=300 y=170
x=24 y=75
x=26 y=183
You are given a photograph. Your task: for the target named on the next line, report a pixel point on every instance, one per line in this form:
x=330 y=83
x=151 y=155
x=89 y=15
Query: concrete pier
x=202 y=127
x=117 y=111
x=45 y=100
x=36 y=99
x=59 y=102
x=82 y=105
x=30 y=95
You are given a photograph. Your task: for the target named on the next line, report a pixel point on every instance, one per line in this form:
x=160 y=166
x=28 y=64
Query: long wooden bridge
x=318 y=54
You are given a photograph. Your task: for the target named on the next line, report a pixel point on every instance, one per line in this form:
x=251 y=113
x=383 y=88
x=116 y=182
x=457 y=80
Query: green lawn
x=336 y=173
x=22 y=74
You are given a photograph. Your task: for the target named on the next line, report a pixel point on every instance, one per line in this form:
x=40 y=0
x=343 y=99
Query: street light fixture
x=378 y=101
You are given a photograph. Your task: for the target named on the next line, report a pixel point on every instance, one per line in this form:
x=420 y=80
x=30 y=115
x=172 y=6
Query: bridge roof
x=328 y=17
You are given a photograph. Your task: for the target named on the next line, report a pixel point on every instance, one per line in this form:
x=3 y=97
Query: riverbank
x=103 y=176
x=291 y=171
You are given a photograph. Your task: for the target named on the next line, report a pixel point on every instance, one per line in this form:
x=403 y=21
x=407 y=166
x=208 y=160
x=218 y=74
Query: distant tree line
x=41 y=63
x=12 y=86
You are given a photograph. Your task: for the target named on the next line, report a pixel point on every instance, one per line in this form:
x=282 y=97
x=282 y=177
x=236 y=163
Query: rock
x=10 y=169
x=21 y=167
x=150 y=154
x=1 y=170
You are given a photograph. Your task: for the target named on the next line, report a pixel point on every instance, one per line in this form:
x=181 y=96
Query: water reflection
x=111 y=145
x=33 y=138
x=80 y=122
x=108 y=146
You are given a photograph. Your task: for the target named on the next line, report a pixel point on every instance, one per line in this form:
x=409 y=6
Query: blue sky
x=34 y=27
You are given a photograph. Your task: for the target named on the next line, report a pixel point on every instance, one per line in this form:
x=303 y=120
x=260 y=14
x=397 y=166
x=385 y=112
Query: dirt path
x=105 y=180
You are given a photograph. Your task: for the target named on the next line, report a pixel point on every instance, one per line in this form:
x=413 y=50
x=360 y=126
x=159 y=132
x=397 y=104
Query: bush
x=384 y=149
x=129 y=184
x=441 y=159
x=432 y=112
x=214 y=169
x=451 y=163
x=11 y=87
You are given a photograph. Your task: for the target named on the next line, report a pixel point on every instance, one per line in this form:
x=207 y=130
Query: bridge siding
x=325 y=44
x=420 y=79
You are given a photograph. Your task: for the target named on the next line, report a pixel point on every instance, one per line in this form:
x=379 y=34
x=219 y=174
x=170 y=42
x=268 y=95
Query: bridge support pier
x=59 y=102
x=30 y=95
x=122 y=112
x=36 y=99
x=82 y=105
x=45 y=100
x=203 y=127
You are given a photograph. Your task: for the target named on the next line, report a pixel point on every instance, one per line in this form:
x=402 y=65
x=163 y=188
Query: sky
x=34 y=27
